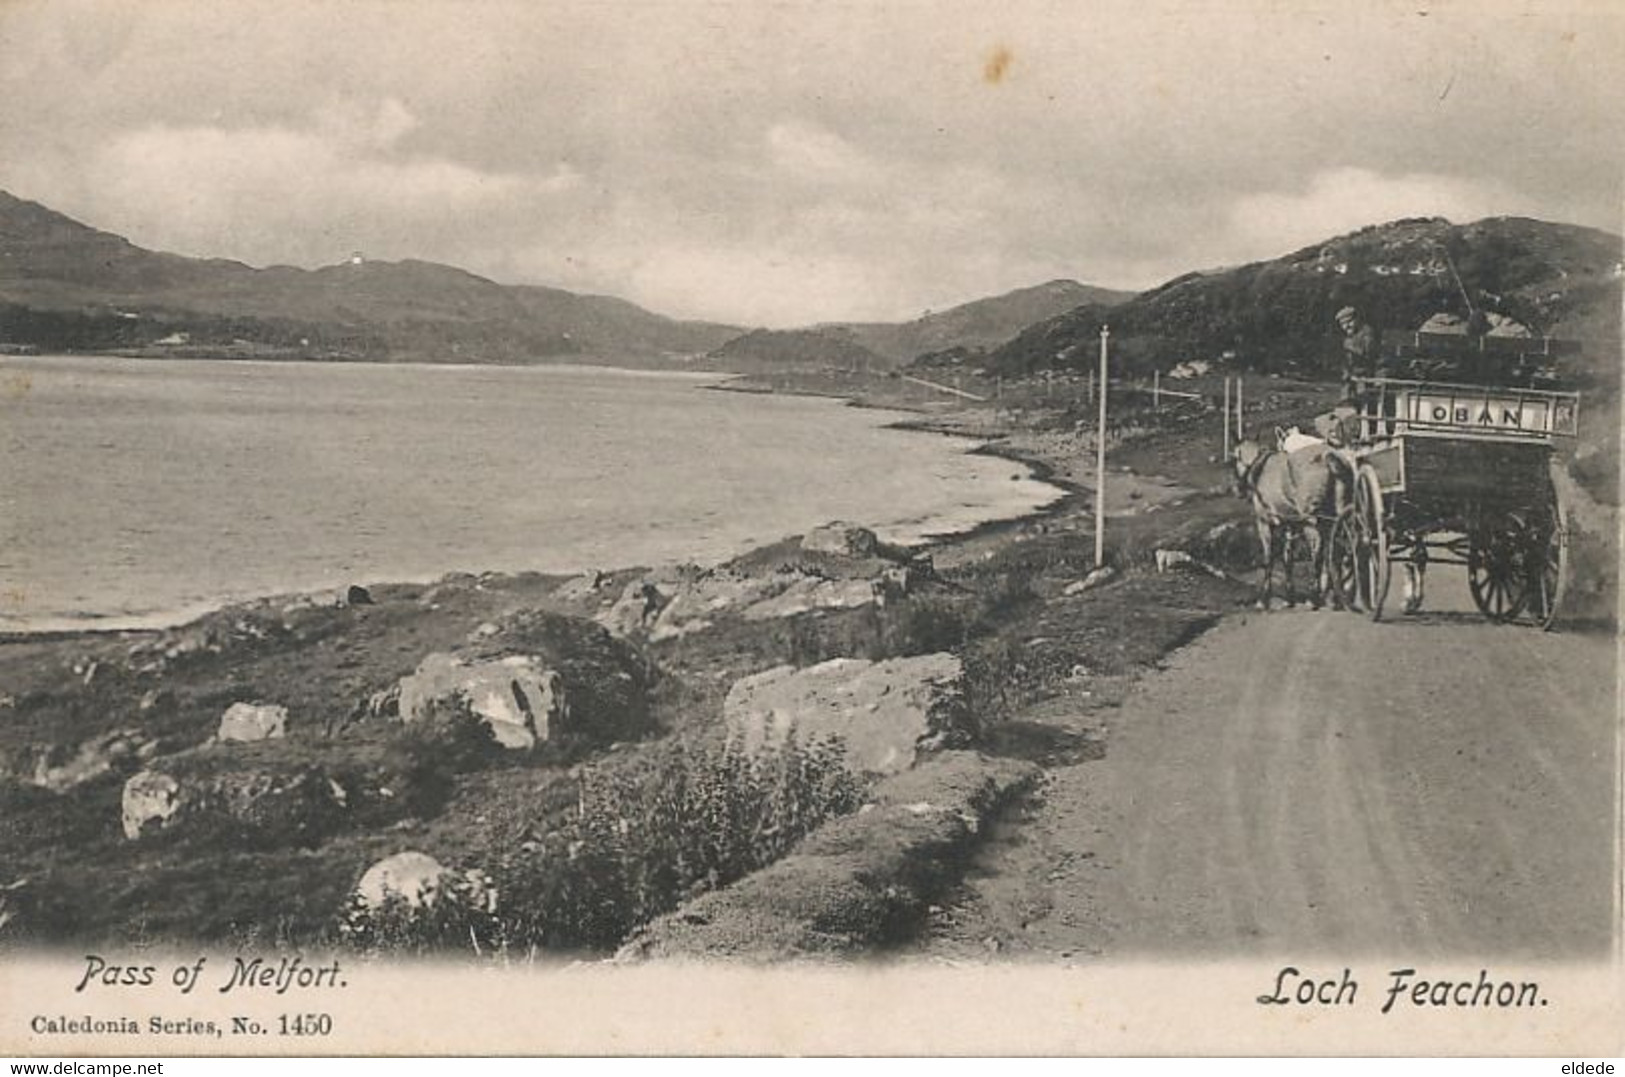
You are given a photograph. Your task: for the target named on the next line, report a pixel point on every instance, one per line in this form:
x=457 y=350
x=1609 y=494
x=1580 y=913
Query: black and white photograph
x=697 y=527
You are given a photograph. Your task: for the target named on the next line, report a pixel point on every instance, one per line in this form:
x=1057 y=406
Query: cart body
x=1448 y=472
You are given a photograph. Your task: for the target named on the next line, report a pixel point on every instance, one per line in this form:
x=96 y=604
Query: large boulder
x=517 y=699
x=253 y=722
x=887 y=713
x=536 y=678
x=150 y=799
x=412 y=877
x=403 y=887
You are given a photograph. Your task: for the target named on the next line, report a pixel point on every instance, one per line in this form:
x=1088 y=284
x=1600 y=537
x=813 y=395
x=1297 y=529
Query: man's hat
x=1346 y=312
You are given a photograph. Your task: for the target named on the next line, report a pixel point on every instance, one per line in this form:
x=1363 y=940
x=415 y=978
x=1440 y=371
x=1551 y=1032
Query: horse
x=1293 y=493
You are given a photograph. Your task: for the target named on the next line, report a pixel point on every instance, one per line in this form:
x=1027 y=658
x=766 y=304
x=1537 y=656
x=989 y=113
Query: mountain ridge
x=71 y=286
x=1276 y=315
x=876 y=346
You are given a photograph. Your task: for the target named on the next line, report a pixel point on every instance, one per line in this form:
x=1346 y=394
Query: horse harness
x=1249 y=482
x=1249 y=478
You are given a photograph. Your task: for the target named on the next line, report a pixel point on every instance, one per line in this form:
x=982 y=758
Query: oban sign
x=1508 y=414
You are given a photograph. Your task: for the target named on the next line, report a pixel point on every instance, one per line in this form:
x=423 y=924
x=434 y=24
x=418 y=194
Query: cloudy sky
x=781 y=162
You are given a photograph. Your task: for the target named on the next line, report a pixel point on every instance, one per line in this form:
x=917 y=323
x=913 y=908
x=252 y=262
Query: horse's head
x=1247 y=454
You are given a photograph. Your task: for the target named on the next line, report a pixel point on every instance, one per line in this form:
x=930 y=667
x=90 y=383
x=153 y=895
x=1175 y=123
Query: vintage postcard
x=713 y=527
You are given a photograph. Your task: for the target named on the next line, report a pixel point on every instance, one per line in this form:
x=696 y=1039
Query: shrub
x=634 y=847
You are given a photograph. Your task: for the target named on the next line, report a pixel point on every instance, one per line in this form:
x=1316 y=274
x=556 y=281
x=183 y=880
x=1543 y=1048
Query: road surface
x=1300 y=782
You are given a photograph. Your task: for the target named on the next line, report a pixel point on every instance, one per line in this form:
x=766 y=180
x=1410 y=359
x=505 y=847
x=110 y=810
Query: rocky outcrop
x=886 y=713
x=672 y=606
x=253 y=722
x=517 y=699
x=257 y=793
x=635 y=611
x=531 y=679
x=803 y=593
x=117 y=751
x=841 y=540
x=694 y=603
x=581 y=588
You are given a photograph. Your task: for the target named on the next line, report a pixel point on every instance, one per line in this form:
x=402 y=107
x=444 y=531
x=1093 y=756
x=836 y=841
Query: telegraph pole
x=1100 y=456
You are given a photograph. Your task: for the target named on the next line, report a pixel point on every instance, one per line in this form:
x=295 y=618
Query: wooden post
x=1227 y=416
x=1091 y=387
x=1100 y=456
x=1156 y=389
x=1241 y=414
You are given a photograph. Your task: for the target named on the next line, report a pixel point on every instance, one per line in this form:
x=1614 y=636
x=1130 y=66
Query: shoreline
x=1067 y=496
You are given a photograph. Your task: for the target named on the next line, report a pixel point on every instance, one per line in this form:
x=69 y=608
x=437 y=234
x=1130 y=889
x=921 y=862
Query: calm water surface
x=140 y=491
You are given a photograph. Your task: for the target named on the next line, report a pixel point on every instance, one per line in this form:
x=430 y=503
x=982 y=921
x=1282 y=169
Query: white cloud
x=809 y=152
x=285 y=194
x=1344 y=199
x=759 y=285
x=354 y=124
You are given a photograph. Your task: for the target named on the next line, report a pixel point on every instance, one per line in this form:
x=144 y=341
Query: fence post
x=1241 y=414
x=1156 y=390
x=1100 y=456
x=1227 y=416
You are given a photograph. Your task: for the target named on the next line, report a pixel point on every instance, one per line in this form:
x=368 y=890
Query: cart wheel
x=1502 y=554
x=1548 y=569
x=1371 y=564
x=1341 y=564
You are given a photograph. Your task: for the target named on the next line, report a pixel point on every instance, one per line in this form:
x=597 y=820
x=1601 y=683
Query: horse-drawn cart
x=1447 y=473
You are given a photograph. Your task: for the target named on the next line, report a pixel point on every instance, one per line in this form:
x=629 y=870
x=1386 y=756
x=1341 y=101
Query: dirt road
x=1309 y=782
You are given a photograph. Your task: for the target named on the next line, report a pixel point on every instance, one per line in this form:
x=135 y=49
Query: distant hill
x=978 y=324
x=67 y=286
x=975 y=325
x=796 y=349
x=1558 y=279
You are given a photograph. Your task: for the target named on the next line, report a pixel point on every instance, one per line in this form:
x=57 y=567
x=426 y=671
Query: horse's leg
x=1266 y=539
x=1327 y=582
x=1317 y=555
x=1289 y=534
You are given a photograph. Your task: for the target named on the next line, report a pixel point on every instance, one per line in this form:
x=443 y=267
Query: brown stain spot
x=17 y=386
x=997 y=64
